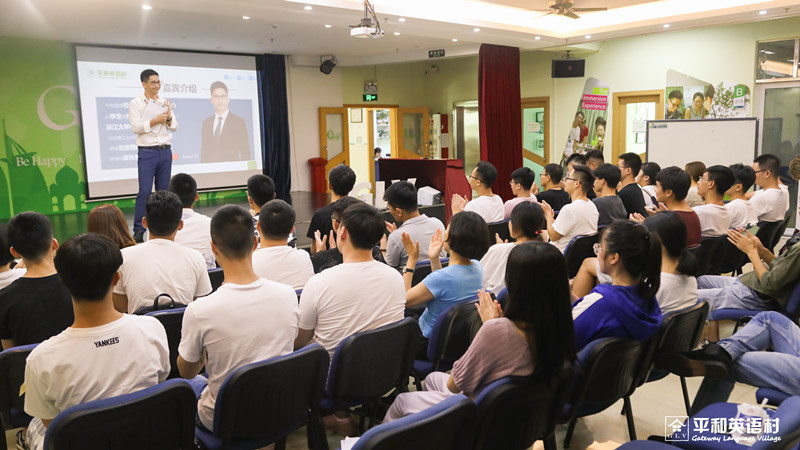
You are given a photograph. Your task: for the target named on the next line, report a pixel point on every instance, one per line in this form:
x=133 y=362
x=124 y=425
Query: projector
x=365 y=32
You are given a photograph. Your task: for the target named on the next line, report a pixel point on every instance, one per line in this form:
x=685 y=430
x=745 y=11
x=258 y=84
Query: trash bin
x=318 y=182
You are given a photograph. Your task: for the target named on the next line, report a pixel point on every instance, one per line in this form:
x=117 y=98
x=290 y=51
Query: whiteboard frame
x=732 y=119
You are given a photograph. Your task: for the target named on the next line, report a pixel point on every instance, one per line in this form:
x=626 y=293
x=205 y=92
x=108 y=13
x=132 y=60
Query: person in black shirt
x=609 y=206
x=629 y=192
x=37 y=306
x=553 y=194
x=341 y=180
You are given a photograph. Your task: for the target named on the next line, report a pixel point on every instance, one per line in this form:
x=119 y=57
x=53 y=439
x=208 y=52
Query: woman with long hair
x=108 y=220
x=533 y=337
x=678 y=289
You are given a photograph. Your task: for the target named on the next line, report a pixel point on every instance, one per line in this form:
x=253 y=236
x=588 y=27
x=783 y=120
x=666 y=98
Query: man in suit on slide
x=224 y=135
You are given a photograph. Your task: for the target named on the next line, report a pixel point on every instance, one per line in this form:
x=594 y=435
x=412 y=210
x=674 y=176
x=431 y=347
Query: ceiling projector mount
x=566 y=8
x=370 y=26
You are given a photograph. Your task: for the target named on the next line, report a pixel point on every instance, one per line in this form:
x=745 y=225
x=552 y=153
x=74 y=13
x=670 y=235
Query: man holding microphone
x=151 y=118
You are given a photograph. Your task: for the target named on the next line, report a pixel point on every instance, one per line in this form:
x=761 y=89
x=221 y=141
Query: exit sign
x=370 y=97
x=439 y=53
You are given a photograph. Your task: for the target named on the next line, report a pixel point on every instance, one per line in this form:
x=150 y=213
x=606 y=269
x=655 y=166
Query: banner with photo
x=690 y=98
x=588 y=129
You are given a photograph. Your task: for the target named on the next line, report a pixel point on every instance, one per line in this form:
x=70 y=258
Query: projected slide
x=219 y=153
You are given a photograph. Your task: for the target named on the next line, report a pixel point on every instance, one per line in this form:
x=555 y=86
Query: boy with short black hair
x=35 y=306
x=195 y=232
x=160 y=266
x=714 y=217
x=770 y=201
x=672 y=185
x=579 y=218
x=274 y=259
x=522 y=182
x=594 y=158
x=609 y=206
x=104 y=353
x=487 y=205
x=401 y=200
x=740 y=209
x=248 y=319
x=553 y=193
x=629 y=192
x=341 y=180
x=7 y=274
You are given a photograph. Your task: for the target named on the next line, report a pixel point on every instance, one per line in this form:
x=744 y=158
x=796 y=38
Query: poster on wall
x=588 y=129
x=692 y=98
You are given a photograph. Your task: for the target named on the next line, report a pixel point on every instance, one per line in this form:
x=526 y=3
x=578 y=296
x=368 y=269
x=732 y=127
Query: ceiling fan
x=566 y=8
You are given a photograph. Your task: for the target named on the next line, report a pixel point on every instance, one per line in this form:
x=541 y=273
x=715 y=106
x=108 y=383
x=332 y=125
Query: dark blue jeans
x=153 y=164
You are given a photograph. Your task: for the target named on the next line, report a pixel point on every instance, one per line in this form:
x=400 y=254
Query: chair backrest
x=369 y=364
x=502 y=297
x=788 y=414
x=158 y=417
x=172 y=320
x=769 y=233
x=500 y=228
x=709 y=253
x=423 y=269
x=514 y=412
x=453 y=332
x=271 y=397
x=217 y=276
x=792 y=305
x=682 y=329
x=729 y=260
x=448 y=425
x=12 y=376
x=580 y=248
x=607 y=368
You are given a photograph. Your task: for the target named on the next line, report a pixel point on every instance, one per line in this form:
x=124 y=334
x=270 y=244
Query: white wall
x=308 y=90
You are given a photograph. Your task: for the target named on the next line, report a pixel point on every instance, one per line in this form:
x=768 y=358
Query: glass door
x=334 y=137
x=631 y=111
x=780 y=131
x=535 y=133
x=413 y=132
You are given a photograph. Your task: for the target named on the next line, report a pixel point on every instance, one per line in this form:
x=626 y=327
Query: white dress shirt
x=145 y=136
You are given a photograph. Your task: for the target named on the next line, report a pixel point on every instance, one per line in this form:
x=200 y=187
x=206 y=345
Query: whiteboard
x=713 y=141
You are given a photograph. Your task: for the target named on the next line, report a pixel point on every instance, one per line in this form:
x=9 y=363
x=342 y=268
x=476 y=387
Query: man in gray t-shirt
x=609 y=205
x=401 y=199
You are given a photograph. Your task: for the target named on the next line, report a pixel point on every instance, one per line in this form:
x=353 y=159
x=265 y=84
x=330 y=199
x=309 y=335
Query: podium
x=445 y=175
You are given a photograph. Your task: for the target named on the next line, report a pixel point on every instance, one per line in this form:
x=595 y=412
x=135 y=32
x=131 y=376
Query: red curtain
x=500 y=112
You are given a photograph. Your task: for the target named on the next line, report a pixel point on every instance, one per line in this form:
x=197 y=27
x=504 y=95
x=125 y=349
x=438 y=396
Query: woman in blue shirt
x=466 y=239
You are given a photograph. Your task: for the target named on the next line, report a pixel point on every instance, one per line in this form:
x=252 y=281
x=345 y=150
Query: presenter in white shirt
x=152 y=118
x=486 y=204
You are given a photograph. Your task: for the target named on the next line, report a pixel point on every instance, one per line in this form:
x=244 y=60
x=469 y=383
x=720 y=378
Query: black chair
x=680 y=332
x=769 y=233
x=12 y=377
x=172 y=320
x=217 y=276
x=423 y=269
x=730 y=260
x=606 y=372
x=709 y=253
x=580 y=248
x=369 y=364
x=263 y=402
x=449 y=339
x=500 y=228
x=514 y=412
x=446 y=426
x=158 y=417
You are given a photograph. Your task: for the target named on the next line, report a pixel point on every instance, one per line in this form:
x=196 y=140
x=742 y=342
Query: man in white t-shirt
x=401 y=200
x=523 y=181
x=160 y=266
x=714 y=216
x=275 y=260
x=104 y=353
x=578 y=218
x=486 y=204
x=770 y=201
x=248 y=319
x=740 y=209
x=7 y=274
x=195 y=232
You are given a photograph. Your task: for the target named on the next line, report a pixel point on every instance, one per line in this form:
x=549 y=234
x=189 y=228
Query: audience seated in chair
x=741 y=211
x=325 y=259
x=274 y=259
x=523 y=181
x=36 y=305
x=714 y=216
x=196 y=232
x=466 y=240
x=108 y=220
x=594 y=159
x=7 y=273
x=552 y=192
x=609 y=205
x=631 y=256
x=487 y=205
x=527 y=223
x=577 y=159
x=578 y=218
x=401 y=200
x=769 y=202
x=695 y=170
x=160 y=265
x=248 y=319
x=672 y=184
x=341 y=180
x=104 y=353
x=260 y=190
x=533 y=337
x=628 y=190
x=646 y=179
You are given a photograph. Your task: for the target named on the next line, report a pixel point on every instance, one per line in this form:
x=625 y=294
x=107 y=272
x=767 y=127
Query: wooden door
x=624 y=137
x=334 y=140
x=536 y=133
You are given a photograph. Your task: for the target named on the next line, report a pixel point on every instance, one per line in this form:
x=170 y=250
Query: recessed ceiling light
x=762 y=12
x=246 y=17
x=308 y=8
x=328 y=26
x=396 y=33
x=666 y=25
x=476 y=29
x=402 y=19
x=538 y=37
x=588 y=36
x=147 y=7
x=455 y=40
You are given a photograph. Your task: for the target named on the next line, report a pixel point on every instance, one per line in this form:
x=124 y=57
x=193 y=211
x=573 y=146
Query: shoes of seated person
x=343 y=426
x=711 y=361
x=138 y=236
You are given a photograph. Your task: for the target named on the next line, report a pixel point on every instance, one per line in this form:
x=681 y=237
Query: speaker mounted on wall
x=568 y=68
